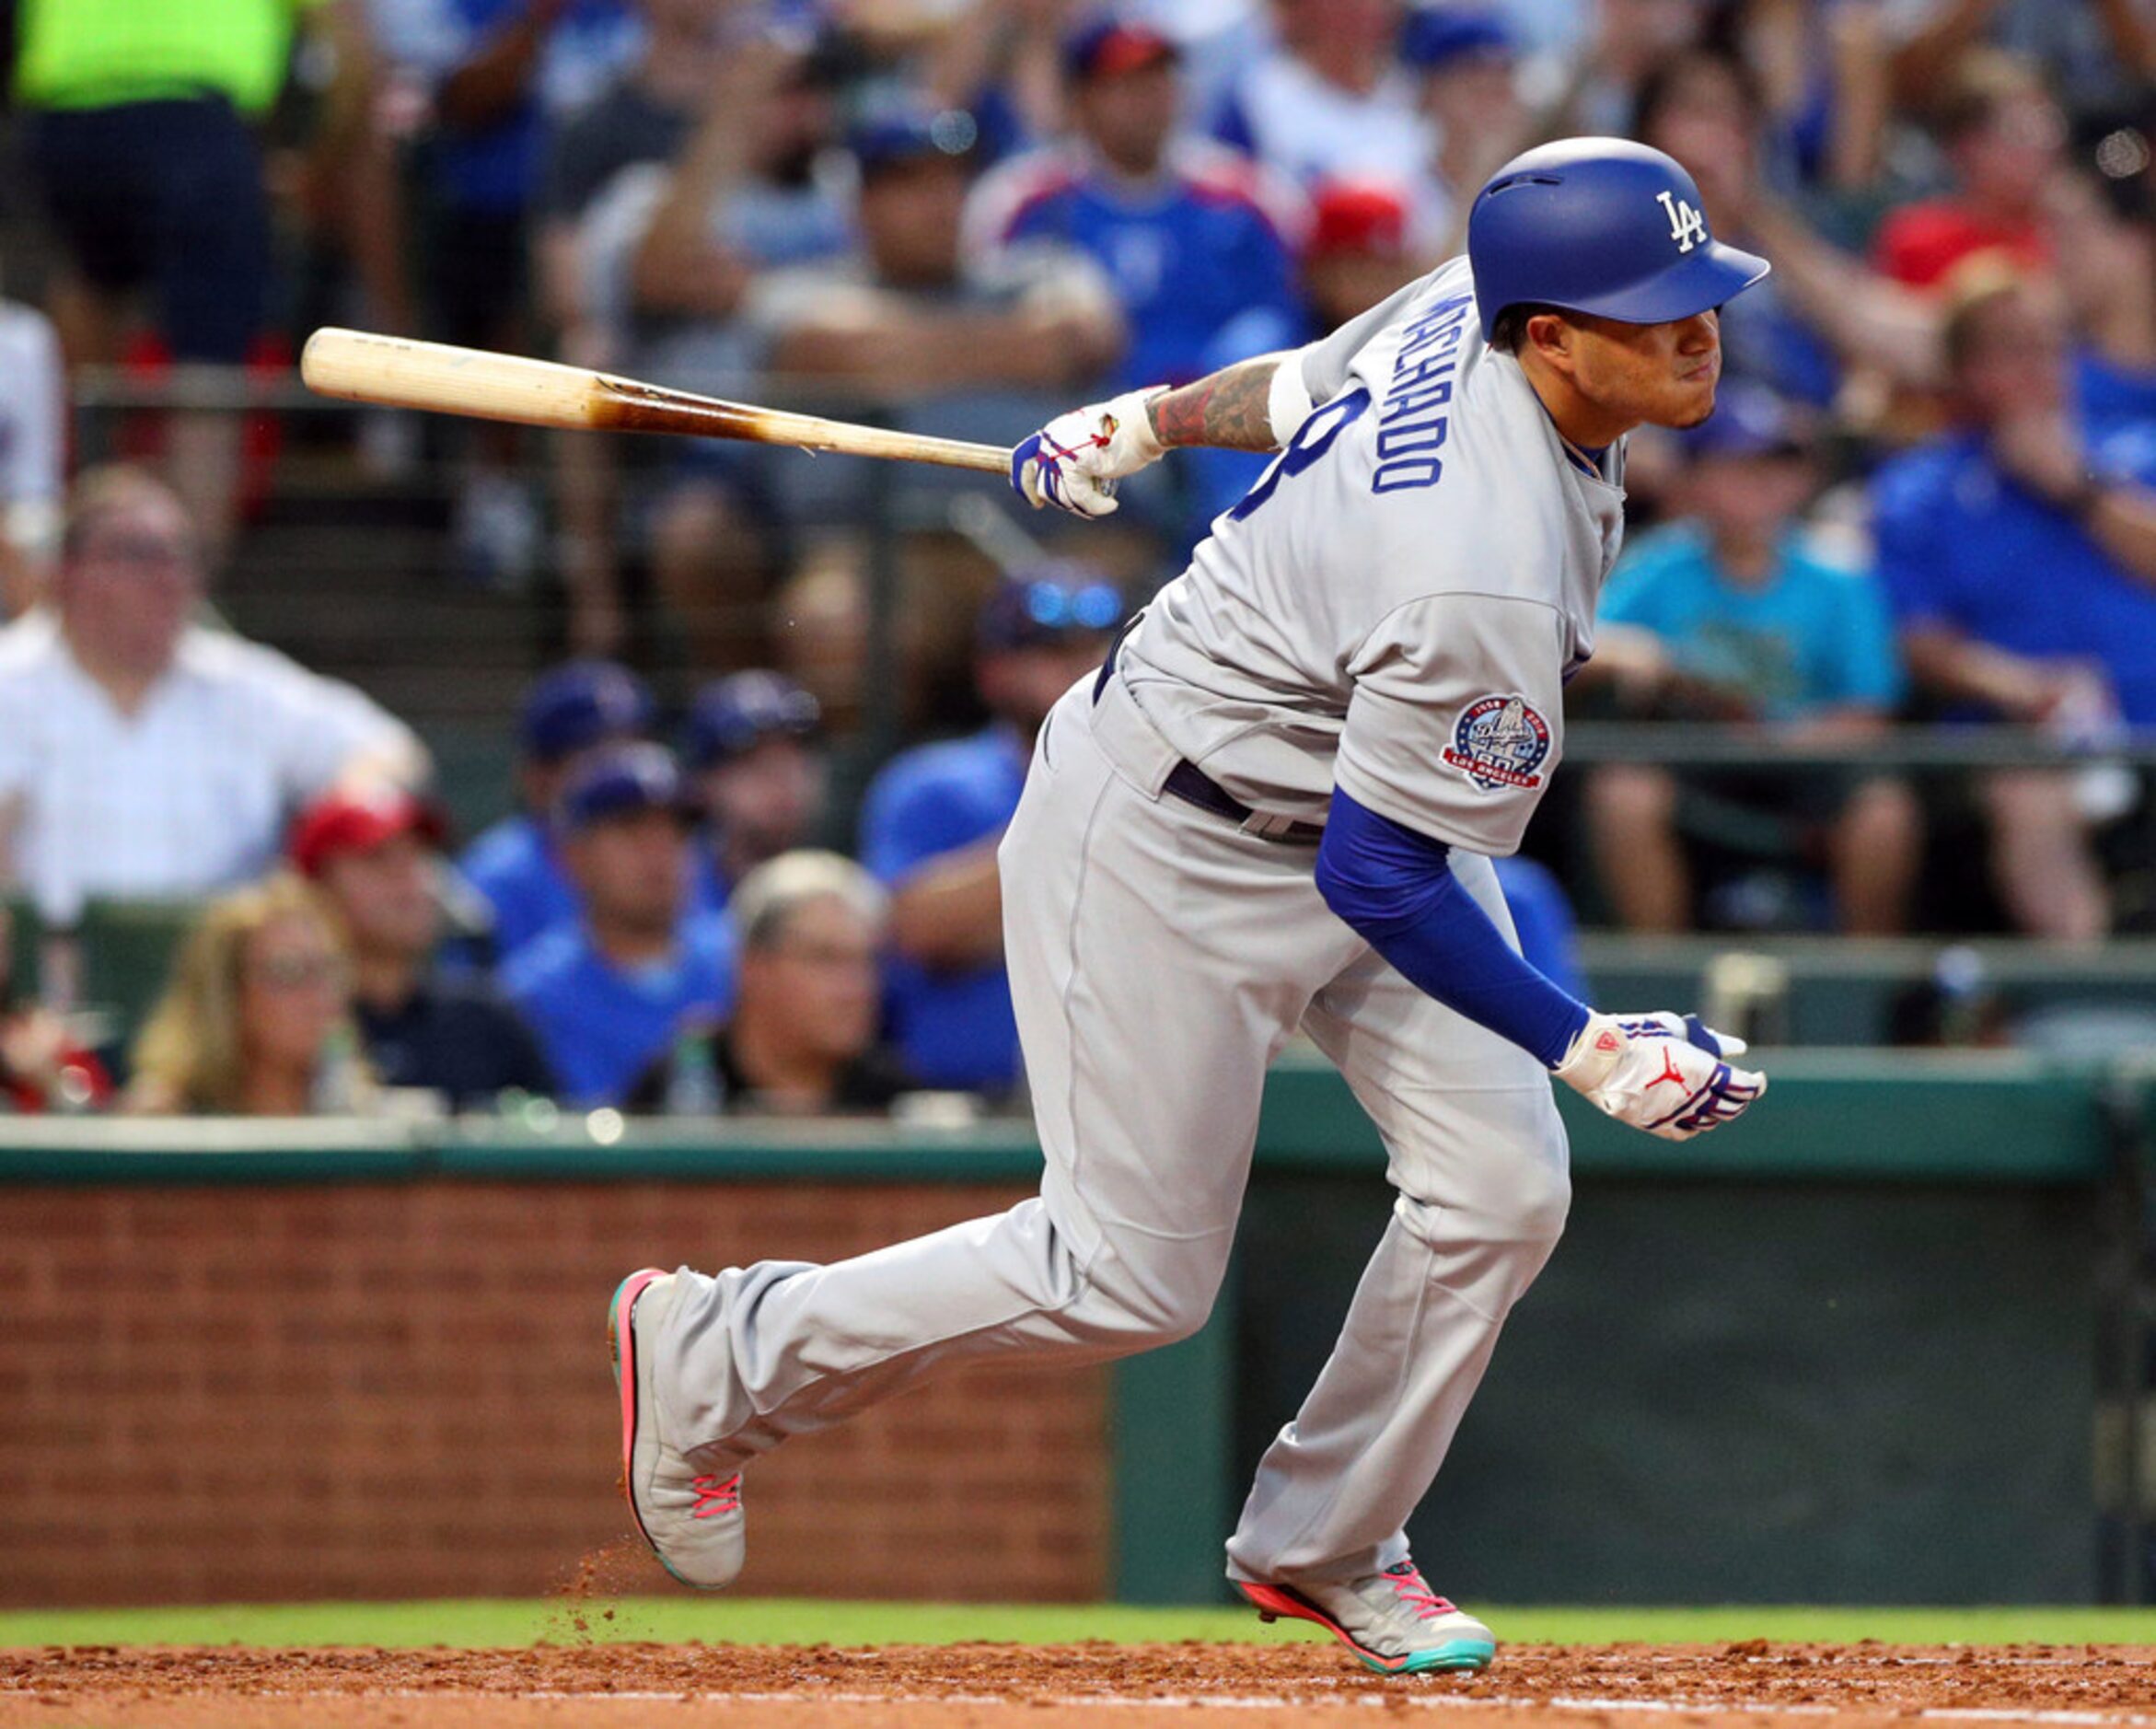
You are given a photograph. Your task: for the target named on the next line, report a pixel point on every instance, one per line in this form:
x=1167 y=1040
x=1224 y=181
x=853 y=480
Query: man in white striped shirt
x=143 y=755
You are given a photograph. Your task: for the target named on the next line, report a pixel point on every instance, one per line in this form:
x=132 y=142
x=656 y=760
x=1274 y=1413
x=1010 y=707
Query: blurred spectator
x=1192 y=237
x=142 y=755
x=2099 y=55
x=378 y=863
x=609 y=993
x=760 y=783
x=516 y=865
x=42 y=1067
x=934 y=814
x=498 y=71
x=140 y=137
x=33 y=453
x=642 y=120
x=644 y=115
x=1328 y=98
x=2019 y=552
x=906 y=325
x=2105 y=268
x=1732 y=617
x=2003 y=138
x=1468 y=57
x=802 y=1040
x=1001 y=61
x=256 y=1020
x=1630 y=39
x=666 y=253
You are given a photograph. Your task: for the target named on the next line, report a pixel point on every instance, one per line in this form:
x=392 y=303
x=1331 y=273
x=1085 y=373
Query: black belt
x=1193 y=785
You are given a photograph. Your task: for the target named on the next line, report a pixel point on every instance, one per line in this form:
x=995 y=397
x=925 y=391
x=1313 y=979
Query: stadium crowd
x=1929 y=495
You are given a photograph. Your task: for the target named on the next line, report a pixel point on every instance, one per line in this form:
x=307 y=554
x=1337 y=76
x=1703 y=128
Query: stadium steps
x=352 y=578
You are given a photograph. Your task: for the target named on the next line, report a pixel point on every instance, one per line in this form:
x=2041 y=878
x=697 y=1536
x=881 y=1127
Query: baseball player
x=1272 y=811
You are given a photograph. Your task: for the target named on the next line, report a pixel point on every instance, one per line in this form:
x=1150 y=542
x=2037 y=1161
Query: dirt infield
x=1057 y=1686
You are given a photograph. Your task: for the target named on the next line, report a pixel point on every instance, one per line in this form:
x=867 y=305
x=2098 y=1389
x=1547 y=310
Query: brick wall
x=224 y=1393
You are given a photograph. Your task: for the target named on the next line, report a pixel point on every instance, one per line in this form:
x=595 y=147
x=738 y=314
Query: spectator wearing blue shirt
x=753 y=745
x=1193 y=236
x=933 y=818
x=1732 y=616
x=516 y=865
x=608 y=995
x=2020 y=557
x=499 y=69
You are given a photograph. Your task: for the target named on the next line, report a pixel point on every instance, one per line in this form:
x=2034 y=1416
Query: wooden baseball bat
x=400 y=373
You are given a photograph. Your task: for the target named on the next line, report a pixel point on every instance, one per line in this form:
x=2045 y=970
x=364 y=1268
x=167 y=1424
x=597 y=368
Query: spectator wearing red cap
x=378 y=864
x=1194 y=238
x=1359 y=250
x=1357 y=253
x=2005 y=140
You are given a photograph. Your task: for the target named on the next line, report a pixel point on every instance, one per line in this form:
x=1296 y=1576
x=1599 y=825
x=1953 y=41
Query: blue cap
x=896 y=136
x=1049 y=603
x=620 y=781
x=1601 y=226
x=730 y=715
x=1749 y=419
x=581 y=704
x=1108 y=42
x=1435 y=36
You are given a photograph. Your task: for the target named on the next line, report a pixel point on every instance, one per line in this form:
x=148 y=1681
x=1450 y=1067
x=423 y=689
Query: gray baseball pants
x=1159 y=959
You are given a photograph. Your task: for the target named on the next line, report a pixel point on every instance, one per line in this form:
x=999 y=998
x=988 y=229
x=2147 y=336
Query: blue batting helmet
x=1602 y=225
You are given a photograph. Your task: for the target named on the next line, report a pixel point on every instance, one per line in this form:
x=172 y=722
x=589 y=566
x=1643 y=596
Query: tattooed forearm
x=1226 y=410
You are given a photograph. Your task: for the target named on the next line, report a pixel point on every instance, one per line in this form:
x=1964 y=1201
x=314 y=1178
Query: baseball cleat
x=1392 y=1620
x=691 y=1519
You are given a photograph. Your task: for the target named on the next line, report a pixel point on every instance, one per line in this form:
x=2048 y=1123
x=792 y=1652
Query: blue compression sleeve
x=1395 y=887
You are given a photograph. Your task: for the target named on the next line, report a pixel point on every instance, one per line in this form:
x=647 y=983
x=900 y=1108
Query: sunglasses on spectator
x=144 y=551
x=293 y=972
x=825 y=955
x=1096 y=607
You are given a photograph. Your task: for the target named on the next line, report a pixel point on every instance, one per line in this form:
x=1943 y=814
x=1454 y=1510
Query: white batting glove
x=1662 y=1072
x=1075 y=460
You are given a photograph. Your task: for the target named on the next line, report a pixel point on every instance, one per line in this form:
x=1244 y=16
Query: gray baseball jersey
x=1394 y=605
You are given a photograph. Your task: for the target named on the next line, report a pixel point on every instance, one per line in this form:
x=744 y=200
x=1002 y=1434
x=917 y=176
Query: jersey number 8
x=1312 y=438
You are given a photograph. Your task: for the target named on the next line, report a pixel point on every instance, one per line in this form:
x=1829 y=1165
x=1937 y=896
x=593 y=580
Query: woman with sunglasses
x=256 y=1020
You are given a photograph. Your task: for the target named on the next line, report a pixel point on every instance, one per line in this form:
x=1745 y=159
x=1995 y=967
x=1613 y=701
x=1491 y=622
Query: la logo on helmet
x=1687 y=228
